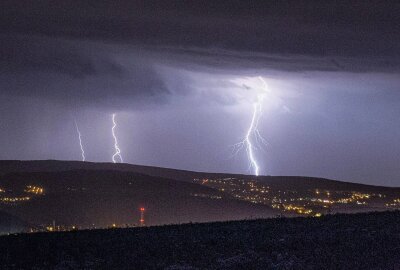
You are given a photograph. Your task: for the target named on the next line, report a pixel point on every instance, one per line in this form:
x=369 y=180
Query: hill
x=100 y=198
x=9 y=166
x=289 y=195
x=281 y=182
x=357 y=241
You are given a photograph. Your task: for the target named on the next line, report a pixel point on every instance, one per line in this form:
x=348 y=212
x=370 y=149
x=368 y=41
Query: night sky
x=179 y=76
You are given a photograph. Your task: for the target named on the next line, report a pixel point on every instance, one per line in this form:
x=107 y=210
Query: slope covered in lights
x=99 y=198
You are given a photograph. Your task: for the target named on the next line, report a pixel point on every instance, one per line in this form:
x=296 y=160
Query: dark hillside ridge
x=356 y=241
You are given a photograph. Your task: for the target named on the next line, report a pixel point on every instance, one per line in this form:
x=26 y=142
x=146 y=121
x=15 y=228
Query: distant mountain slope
x=8 y=166
x=299 y=183
x=101 y=197
x=279 y=182
x=242 y=196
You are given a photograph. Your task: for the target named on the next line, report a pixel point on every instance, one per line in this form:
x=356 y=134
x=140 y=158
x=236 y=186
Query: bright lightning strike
x=253 y=139
x=80 y=142
x=116 y=146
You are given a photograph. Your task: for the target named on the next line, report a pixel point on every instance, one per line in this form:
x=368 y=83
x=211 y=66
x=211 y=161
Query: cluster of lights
x=300 y=202
x=322 y=201
x=209 y=196
x=34 y=190
x=65 y=228
x=247 y=190
x=394 y=203
x=297 y=209
x=14 y=199
x=360 y=196
x=59 y=228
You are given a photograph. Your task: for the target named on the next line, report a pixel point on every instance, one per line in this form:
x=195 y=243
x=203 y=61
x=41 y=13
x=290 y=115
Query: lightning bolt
x=116 y=146
x=253 y=139
x=80 y=142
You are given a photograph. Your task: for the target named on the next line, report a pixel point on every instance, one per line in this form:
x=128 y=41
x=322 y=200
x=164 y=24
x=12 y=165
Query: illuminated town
x=12 y=198
x=288 y=201
x=312 y=202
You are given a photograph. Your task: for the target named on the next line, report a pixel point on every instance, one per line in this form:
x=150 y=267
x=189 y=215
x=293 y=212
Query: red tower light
x=142 y=216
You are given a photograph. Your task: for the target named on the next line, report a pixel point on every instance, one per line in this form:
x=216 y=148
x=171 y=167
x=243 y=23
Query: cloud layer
x=168 y=69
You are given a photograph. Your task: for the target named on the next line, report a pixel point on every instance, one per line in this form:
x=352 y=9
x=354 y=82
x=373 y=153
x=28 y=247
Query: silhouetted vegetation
x=357 y=241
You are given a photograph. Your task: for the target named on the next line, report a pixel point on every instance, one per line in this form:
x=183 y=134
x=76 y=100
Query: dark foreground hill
x=357 y=241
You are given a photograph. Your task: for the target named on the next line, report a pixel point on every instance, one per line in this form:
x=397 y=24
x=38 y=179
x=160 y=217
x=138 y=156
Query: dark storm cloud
x=108 y=52
x=355 y=29
x=22 y=54
x=231 y=61
x=74 y=72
